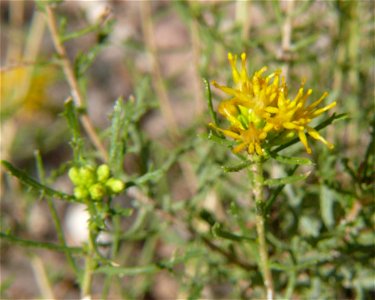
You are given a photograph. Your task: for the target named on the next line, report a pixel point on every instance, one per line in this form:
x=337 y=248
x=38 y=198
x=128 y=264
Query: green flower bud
x=74 y=175
x=87 y=176
x=97 y=191
x=81 y=192
x=103 y=173
x=115 y=185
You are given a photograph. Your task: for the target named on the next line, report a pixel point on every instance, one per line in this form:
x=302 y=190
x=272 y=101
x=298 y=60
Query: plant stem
x=90 y=257
x=89 y=269
x=160 y=89
x=243 y=18
x=257 y=190
x=73 y=82
x=54 y=214
x=286 y=34
x=37 y=244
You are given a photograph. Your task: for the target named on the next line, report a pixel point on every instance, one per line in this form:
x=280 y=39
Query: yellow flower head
x=24 y=87
x=259 y=107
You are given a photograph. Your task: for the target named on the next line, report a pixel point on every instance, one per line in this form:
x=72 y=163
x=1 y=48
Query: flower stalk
x=89 y=269
x=257 y=194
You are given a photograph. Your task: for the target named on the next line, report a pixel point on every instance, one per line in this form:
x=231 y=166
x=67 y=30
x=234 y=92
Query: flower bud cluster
x=94 y=183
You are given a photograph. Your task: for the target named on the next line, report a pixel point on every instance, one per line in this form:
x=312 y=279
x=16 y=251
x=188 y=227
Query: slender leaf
x=131 y=271
x=150 y=176
x=71 y=116
x=292 y=160
x=327 y=201
x=276 y=192
x=79 y=33
x=237 y=167
x=209 y=101
x=217 y=139
x=116 y=150
x=218 y=232
x=27 y=180
x=148 y=269
x=36 y=244
x=286 y=180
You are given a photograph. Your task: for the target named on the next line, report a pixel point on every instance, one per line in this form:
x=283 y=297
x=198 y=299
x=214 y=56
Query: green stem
x=54 y=214
x=90 y=257
x=89 y=270
x=60 y=233
x=37 y=244
x=257 y=190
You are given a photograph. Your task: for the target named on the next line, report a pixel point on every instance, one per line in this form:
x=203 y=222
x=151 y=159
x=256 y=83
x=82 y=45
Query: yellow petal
x=317 y=102
x=290 y=125
x=232 y=60
x=268 y=127
x=313 y=133
x=226 y=132
x=244 y=76
x=239 y=148
x=303 y=140
x=322 y=110
x=262 y=135
x=258 y=149
x=271 y=109
x=225 y=89
x=251 y=148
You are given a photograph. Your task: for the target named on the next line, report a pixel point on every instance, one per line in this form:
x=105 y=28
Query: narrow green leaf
x=27 y=180
x=150 y=176
x=309 y=226
x=303 y=43
x=286 y=180
x=218 y=232
x=85 y=59
x=137 y=224
x=209 y=101
x=72 y=119
x=237 y=167
x=292 y=160
x=219 y=140
x=39 y=166
x=79 y=33
x=71 y=116
x=281 y=267
x=116 y=150
x=276 y=192
x=36 y=244
x=327 y=201
x=149 y=269
x=124 y=212
x=121 y=271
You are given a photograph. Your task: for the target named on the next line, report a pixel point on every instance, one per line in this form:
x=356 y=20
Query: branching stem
x=257 y=190
x=160 y=89
x=73 y=83
x=86 y=282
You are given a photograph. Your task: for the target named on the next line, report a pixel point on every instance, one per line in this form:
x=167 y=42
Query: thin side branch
x=149 y=38
x=73 y=83
x=257 y=190
x=286 y=34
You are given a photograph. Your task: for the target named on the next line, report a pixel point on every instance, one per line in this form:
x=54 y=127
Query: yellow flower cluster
x=259 y=110
x=26 y=88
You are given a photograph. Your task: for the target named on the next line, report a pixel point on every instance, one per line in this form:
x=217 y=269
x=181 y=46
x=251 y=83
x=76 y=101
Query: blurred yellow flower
x=259 y=107
x=24 y=87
